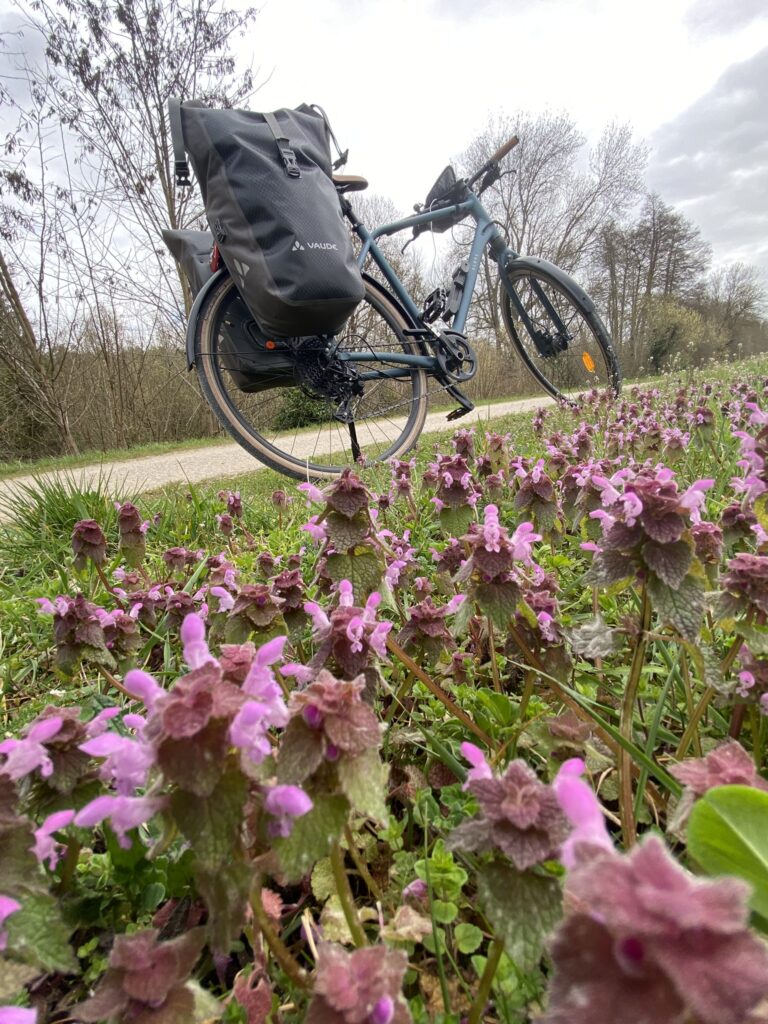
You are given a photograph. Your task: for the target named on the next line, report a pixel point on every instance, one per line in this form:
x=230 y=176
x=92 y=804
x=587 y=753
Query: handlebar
x=502 y=151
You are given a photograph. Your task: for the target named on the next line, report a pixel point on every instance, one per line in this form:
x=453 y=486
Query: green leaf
x=362 y=566
x=523 y=909
x=195 y=764
x=19 y=864
x=670 y=562
x=468 y=937
x=300 y=753
x=225 y=892
x=37 y=934
x=681 y=607
x=455 y=521
x=728 y=835
x=363 y=781
x=497 y=600
x=212 y=824
x=446 y=877
x=609 y=567
x=708 y=666
x=345 y=533
x=444 y=912
x=312 y=836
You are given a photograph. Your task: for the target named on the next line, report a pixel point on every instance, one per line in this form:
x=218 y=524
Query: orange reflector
x=271 y=344
x=588 y=361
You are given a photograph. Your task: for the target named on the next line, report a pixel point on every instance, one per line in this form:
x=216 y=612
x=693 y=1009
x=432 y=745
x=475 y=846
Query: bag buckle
x=183 y=179
x=289 y=159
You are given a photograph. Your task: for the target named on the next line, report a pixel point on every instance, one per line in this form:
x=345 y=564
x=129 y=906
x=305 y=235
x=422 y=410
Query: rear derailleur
x=322 y=375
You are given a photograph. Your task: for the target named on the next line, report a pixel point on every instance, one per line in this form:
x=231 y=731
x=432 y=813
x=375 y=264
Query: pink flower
x=480 y=768
x=313 y=493
x=285 y=804
x=248 y=731
x=8 y=906
x=226 y=601
x=196 y=653
x=46 y=848
x=363 y=987
x=522 y=541
x=144 y=686
x=127 y=761
x=260 y=683
x=124 y=812
x=315 y=530
x=17 y=1015
x=582 y=808
x=24 y=756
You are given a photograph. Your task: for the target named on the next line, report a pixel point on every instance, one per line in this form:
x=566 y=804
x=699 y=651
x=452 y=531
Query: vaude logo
x=297 y=246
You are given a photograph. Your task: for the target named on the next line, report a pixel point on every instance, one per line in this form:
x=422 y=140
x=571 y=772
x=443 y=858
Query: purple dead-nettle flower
x=425 y=632
x=124 y=813
x=363 y=987
x=416 y=891
x=737 y=522
x=234 y=502
x=178 y=605
x=463 y=442
x=708 y=543
x=313 y=493
x=284 y=804
x=583 y=810
x=222 y=573
x=256 y=607
x=145 y=687
x=280 y=499
x=145 y=980
x=261 y=684
x=127 y=761
x=451 y=558
x=455 y=486
x=8 y=906
x=24 y=756
x=17 y=1015
x=315 y=529
x=132 y=531
x=225 y=600
x=745 y=585
x=46 y=849
x=77 y=631
x=196 y=652
x=648 y=941
x=480 y=768
x=289 y=586
x=726 y=765
x=88 y=543
x=675 y=443
x=497 y=451
x=350 y=634
x=347 y=495
x=518 y=815
x=226 y=524
x=335 y=707
x=100 y=722
x=178 y=558
x=249 y=731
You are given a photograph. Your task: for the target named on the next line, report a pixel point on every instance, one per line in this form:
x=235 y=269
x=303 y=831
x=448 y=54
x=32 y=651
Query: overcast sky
x=408 y=83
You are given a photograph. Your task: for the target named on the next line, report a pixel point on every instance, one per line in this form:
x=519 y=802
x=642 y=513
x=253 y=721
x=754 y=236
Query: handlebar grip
x=502 y=151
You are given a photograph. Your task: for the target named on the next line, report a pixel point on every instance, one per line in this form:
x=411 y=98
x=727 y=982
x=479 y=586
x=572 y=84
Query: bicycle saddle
x=349 y=183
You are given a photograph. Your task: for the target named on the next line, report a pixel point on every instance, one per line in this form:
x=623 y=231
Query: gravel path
x=197 y=464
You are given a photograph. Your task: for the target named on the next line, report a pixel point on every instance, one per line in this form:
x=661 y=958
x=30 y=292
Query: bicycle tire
x=276 y=449
x=590 y=360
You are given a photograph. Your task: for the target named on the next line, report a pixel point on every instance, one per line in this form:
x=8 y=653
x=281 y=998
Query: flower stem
x=693 y=722
x=626 y=722
x=439 y=692
x=361 y=866
x=492 y=653
x=484 y=990
x=346 y=898
x=279 y=950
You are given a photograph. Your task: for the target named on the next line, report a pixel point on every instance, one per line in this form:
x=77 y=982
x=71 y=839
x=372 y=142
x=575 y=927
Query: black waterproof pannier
x=192 y=251
x=274 y=212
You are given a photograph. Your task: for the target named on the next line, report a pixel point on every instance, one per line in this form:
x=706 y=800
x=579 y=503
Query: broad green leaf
x=362 y=780
x=444 y=911
x=300 y=753
x=37 y=934
x=311 y=836
x=496 y=600
x=196 y=764
x=523 y=909
x=445 y=876
x=670 y=562
x=18 y=865
x=595 y=639
x=728 y=835
x=455 y=521
x=362 y=566
x=609 y=567
x=212 y=823
x=468 y=937
x=345 y=533
x=681 y=607
x=225 y=891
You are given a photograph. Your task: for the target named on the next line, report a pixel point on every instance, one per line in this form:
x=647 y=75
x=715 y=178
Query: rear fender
x=194 y=313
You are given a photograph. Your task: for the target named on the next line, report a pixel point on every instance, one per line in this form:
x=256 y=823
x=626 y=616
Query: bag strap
x=180 y=165
x=343 y=157
x=284 y=145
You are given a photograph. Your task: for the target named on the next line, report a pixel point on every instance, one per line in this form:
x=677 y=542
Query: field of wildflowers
x=476 y=737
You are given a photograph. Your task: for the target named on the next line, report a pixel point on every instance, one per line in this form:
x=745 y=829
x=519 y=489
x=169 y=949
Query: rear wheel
x=564 y=345
x=292 y=428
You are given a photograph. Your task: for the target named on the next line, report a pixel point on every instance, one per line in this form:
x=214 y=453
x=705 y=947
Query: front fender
x=560 y=276
x=194 y=313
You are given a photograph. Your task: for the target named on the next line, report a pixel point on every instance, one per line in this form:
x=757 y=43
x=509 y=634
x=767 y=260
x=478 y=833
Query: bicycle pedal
x=456 y=414
x=465 y=404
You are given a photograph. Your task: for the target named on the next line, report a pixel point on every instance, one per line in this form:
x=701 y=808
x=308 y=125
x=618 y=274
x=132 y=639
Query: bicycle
x=364 y=392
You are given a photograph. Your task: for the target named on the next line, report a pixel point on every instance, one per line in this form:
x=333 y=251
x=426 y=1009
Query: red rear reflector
x=215 y=258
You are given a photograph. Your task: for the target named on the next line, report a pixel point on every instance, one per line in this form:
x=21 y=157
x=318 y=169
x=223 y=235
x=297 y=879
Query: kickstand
x=356 y=453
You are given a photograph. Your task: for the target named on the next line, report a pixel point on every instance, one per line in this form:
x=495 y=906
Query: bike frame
x=487 y=235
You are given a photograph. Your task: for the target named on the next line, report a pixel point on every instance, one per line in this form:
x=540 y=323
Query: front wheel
x=558 y=335
x=285 y=416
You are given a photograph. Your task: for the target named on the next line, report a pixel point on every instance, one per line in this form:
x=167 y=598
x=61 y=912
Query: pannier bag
x=274 y=212
x=192 y=251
